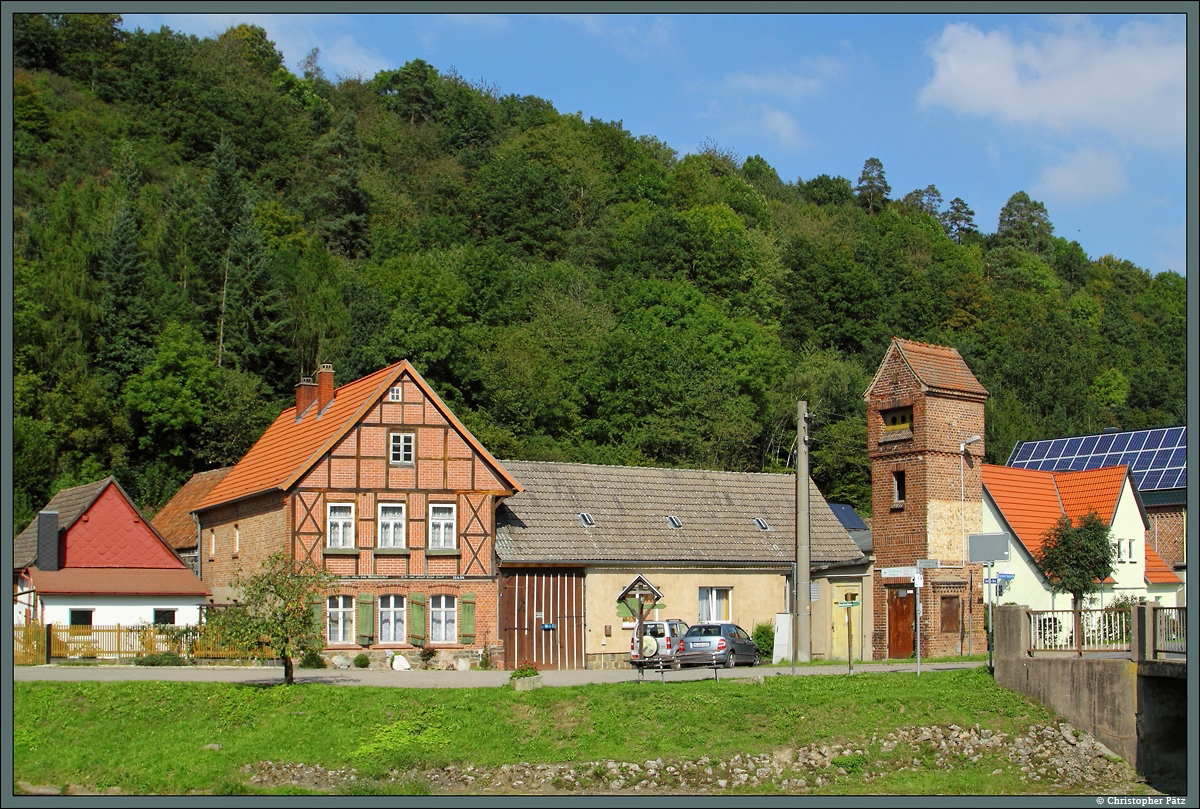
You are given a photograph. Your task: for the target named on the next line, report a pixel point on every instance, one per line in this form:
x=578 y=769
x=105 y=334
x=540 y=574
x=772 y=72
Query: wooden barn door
x=541 y=617
x=901 y=616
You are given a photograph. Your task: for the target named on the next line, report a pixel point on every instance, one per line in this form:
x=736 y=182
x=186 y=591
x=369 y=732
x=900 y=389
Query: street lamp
x=962 y=514
x=962 y=494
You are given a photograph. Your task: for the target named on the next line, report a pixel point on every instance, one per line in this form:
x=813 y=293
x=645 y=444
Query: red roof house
x=90 y=557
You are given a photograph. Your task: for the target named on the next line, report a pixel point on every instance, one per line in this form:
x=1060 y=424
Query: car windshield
x=704 y=631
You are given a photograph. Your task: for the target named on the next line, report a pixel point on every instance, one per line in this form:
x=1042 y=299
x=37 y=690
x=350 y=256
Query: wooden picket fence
x=40 y=643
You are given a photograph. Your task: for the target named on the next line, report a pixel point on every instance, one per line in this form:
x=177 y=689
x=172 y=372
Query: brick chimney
x=306 y=391
x=324 y=386
x=47 y=540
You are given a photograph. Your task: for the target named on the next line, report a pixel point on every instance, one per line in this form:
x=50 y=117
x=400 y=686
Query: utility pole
x=801 y=606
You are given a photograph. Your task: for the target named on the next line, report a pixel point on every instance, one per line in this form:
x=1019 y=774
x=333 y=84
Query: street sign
x=898 y=572
x=1008 y=576
x=990 y=581
x=988 y=547
x=849 y=603
x=925 y=564
x=918 y=580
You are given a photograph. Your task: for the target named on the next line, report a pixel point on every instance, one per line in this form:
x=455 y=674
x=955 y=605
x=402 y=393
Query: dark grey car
x=717 y=644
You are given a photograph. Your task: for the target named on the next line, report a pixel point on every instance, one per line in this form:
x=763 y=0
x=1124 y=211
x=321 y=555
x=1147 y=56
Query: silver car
x=717 y=644
x=660 y=642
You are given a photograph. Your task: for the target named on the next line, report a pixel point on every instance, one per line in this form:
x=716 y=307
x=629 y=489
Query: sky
x=1088 y=114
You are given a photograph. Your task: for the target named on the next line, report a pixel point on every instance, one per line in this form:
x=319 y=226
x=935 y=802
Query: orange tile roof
x=939 y=368
x=1032 y=500
x=174 y=520
x=1027 y=498
x=290 y=447
x=1157 y=571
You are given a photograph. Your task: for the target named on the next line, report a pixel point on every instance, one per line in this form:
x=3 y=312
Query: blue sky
x=1088 y=114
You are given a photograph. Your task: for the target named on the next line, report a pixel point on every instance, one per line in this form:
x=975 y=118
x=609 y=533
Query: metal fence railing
x=1080 y=630
x=1170 y=630
x=38 y=643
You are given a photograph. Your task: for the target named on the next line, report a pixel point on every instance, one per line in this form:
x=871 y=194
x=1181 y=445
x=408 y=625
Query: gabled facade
x=925 y=419
x=1026 y=503
x=91 y=559
x=716 y=545
x=377 y=482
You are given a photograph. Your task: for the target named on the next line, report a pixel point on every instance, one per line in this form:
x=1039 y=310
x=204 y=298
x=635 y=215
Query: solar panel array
x=1157 y=457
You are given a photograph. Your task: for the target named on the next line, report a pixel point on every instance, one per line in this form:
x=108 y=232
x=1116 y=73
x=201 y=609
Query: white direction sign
x=928 y=563
x=898 y=572
x=918 y=580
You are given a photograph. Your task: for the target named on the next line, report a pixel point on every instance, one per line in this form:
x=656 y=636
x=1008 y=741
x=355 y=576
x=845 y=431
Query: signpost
x=989 y=549
x=849 y=633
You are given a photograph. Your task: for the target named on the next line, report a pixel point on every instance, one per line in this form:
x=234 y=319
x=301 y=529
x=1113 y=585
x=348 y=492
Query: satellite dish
x=649 y=646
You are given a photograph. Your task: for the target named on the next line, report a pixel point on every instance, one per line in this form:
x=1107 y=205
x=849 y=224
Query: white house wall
x=1028 y=586
x=126 y=611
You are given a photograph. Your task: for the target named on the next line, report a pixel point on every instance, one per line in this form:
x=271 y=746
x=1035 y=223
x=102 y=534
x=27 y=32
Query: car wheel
x=731 y=660
x=757 y=659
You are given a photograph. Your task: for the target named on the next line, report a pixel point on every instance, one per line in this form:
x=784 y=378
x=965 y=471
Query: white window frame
x=391 y=530
x=443 y=529
x=395 y=394
x=1120 y=550
x=393 y=618
x=339 y=530
x=402 y=449
x=212 y=542
x=443 y=619
x=237 y=539
x=710 y=600
x=339 y=619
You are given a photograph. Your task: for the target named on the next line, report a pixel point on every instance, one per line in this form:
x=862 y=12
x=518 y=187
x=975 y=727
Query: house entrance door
x=842 y=592
x=901 y=618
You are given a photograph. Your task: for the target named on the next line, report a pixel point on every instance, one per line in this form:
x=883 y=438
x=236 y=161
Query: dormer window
x=762 y=524
x=586 y=519
x=675 y=521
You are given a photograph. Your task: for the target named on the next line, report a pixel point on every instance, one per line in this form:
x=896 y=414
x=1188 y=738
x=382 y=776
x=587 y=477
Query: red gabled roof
x=1157 y=571
x=174 y=521
x=940 y=369
x=1033 y=500
x=291 y=447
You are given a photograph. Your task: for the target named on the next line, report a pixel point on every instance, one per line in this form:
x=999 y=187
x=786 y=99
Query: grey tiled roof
x=630 y=506
x=69 y=503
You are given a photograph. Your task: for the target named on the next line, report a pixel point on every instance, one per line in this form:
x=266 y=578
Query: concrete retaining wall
x=1137 y=708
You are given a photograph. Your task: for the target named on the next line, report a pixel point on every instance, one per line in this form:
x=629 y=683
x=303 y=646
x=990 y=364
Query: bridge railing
x=1170 y=631
x=1080 y=631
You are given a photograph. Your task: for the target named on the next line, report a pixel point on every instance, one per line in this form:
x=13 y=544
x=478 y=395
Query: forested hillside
x=196 y=227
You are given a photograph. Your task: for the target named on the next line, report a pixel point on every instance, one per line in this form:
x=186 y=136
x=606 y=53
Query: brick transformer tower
x=924 y=441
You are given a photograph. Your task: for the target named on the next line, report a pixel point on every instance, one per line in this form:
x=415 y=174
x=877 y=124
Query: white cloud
x=783 y=127
x=636 y=37
x=1085 y=174
x=1075 y=80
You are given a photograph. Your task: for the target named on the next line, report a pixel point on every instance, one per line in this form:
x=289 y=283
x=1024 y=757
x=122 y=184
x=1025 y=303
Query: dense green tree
x=1024 y=223
x=826 y=190
x=927 y=200
x=125 y=332
x=1076 y=557
x=959 y=221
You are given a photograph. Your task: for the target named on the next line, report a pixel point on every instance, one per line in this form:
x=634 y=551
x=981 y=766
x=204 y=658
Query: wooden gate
x=901 y=622
x=541 y=617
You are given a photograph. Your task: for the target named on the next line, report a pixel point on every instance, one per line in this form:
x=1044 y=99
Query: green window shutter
x=466 y=620
x=317 y=604
x=366 y=619
x=416 y=619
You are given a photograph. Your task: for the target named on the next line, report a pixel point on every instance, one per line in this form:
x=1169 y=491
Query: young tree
x=1076 y=558
x=276 y=609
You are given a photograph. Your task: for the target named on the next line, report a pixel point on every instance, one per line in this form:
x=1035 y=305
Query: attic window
x=395 y=394
x=675 y=521
x=586 y=519
x=762 y=524
x=898 y=418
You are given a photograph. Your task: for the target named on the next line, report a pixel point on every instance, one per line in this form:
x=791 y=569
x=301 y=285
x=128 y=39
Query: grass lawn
x=178 y=738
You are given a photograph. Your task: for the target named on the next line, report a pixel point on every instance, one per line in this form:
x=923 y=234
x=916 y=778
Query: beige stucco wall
x=756 y=597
